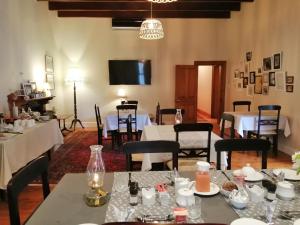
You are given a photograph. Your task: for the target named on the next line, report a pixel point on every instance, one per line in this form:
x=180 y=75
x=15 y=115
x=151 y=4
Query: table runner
x=120 y=200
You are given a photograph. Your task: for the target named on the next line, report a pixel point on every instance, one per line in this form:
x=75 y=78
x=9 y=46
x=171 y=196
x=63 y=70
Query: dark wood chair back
x=130 y=102
x=129 y=127
x=99 y=124
x=230 y=145
x=37 y=167
x=132 y=109
x=151 y=147
x=157 y=119
x=268 y=121
x=169 y=111
x=227 y=118
x=194 y=127
x=241 y=103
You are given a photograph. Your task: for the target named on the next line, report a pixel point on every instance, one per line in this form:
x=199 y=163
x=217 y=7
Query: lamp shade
x=151 y=29
x=74 y=75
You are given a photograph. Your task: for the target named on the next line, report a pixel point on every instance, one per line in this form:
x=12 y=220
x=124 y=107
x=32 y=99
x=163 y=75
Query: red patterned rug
x=73 y=156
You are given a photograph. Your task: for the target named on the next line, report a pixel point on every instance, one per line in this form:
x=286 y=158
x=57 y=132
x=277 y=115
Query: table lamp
x=122 y=95
x=74 y=76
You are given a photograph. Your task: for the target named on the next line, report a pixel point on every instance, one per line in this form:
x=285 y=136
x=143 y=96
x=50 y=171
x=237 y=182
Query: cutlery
x=154 y=218
x=228 y=178
x=273 y=178
x=129 y=213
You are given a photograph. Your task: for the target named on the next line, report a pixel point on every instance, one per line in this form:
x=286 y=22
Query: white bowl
x=238 y=204
x=45 y=118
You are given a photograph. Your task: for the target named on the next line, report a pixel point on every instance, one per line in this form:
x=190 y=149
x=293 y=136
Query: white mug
x=181 y=182
x=185 y=197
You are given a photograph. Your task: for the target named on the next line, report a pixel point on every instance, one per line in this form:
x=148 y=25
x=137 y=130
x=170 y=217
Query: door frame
x=222 y=64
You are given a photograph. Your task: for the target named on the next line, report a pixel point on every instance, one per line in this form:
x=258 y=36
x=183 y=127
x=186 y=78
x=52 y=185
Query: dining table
x=65 y=205
x=17 y=149
x=111 y=121
x=247 y=121
x=186 y=140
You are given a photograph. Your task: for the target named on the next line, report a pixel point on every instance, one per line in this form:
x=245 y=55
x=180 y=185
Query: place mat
x=120 y=199
x=256 y=210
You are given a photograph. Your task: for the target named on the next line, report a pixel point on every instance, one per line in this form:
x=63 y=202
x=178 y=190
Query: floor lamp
x=74 y=76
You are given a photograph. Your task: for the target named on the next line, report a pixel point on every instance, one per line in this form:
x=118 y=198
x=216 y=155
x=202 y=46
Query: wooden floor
x=32 y=195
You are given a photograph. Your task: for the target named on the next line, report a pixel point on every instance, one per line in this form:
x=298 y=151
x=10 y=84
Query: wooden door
x=216 y=92
x=186 y=85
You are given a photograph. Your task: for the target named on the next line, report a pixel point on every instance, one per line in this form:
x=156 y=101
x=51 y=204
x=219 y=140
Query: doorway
x=186 y=88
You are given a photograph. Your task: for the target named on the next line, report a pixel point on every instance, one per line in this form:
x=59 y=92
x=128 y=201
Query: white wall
x=265 y=27
x=204 y=88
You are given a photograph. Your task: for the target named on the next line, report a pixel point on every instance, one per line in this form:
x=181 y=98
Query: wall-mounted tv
x=132 y=72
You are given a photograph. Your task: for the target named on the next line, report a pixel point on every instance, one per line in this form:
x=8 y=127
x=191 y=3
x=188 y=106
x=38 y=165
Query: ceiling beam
x=179 y=6
x=145 y=14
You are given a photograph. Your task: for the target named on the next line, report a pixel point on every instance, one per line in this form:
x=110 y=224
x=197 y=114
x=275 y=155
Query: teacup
x=256 y=193
x=181 y=182
x=185 y=197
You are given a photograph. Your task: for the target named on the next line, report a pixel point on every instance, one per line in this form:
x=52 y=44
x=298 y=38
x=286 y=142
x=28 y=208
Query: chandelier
x=151 y=29
x=162 y=1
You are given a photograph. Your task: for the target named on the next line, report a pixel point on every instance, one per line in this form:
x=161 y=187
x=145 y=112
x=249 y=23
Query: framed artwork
x=265 y=77
x=250 y=90
x=289 y=79
x=236 y=74
x=252 y=77
x=265 y=89
x=239 y=84
x=272 y=79
x=289 y=88
x=259 y=70
x=267 y=64
x=248 y=56
x=50 y=81
x=258 y=85
x=280 y=80
x=27 y=88
x=49 y=64
x=241 y=74
x=277 y=61
x=245 y=82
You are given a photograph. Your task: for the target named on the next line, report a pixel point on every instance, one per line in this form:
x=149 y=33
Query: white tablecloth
x=186 y=140
x=20 y=149
x=245 y=121
x=111 y=121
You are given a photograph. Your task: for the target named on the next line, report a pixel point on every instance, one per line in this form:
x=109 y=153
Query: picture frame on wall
x=236 y=74
x=252 y=77
x=289 y=88
x=245 y=82
x=49 y=67
x=277 y=58
x=258 y=85
x=250 y=90
x=265 y=89
x=289 y=79
x=265 y=78
x=272 y=79
x=50 y=80
x=248 y=56
x=242 y=74
x=267 y=63
x=280 y=80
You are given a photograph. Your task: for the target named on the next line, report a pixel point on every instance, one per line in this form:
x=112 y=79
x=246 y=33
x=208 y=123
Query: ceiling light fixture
x=151 y=29
x=162 y=1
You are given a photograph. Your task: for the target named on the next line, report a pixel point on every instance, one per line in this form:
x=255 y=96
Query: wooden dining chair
x=230 y=145
x=37 y=167
x=241 y=103
x=229 y=119
x=99 y=125
x=122 y=121
x=160 y=146
x=168 y=111
x=264 y=121
x=188 y=157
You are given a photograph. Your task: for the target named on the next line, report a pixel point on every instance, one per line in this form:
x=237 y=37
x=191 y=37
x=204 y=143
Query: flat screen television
x=132 y=72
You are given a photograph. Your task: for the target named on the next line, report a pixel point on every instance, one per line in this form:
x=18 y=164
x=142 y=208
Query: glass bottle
x=178 y=116
x=202 y=177
x=133 y=191
x=95 y=168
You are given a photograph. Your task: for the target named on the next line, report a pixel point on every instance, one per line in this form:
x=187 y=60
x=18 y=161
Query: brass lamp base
x=96 y=197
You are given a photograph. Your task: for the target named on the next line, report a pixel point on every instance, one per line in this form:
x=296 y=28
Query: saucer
x=257 y=176
x=247 y=221
x=214 y=189
x=297 y=222
x=288 y=174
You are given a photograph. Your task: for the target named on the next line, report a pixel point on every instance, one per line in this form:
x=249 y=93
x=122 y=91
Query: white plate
x=247 y=221
x=257 y=176
x=214 y=189
x=288 y=174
